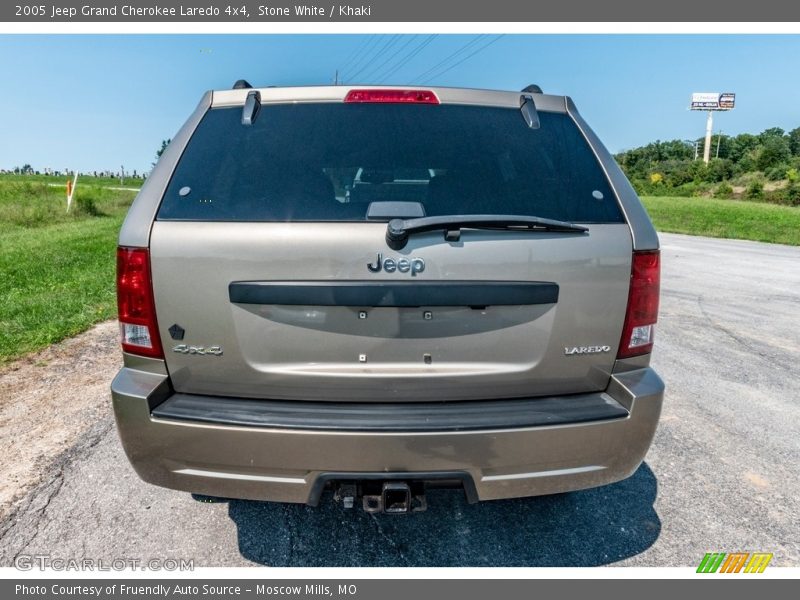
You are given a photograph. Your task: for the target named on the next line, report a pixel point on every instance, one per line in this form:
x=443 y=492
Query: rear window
x=328 y=162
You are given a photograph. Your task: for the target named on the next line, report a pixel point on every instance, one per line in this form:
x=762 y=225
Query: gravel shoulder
x=48 y=401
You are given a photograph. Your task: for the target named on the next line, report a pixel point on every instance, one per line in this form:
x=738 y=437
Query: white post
x=709 y=129
x=72 y=191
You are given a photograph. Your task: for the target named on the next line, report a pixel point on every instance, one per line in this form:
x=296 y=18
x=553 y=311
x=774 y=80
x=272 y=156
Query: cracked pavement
x=722 y=474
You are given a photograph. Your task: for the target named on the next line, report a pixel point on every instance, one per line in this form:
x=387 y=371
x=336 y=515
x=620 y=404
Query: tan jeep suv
x=377 y=290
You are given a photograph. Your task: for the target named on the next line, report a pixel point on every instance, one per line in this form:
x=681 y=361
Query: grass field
x=735 y=219
x=61 y=180
x=56 y=269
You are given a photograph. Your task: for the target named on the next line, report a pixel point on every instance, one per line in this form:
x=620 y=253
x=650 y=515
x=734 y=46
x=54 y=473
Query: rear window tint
x=327 y=162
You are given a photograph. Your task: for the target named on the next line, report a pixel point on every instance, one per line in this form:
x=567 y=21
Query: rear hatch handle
x=399 y=230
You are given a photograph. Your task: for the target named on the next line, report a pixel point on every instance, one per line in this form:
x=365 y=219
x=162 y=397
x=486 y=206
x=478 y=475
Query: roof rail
x=532 y=89
x=242 y=84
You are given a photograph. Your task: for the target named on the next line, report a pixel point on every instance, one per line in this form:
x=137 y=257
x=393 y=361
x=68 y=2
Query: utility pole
x=336 y=78
x=695 y=144
x=709 y=129
x=719 y=139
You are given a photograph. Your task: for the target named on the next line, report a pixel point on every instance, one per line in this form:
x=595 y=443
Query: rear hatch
x=270 y=281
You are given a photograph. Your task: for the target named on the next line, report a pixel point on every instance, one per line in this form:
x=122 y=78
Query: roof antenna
x=242 y=84
x=532 y=89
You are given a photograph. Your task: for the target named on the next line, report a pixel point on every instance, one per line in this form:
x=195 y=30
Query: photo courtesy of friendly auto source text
x=293 y=288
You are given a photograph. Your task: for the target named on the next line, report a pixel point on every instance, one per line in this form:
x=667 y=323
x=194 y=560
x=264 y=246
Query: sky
x=99 y=102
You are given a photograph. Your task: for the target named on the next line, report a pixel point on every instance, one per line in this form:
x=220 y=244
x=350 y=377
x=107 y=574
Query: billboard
x=713 y=101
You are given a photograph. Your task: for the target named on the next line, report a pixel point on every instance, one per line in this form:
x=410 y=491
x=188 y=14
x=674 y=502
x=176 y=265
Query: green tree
x=773 y=152
x=772 y=132
x=160 y=151
x=794 y=141
x=741 y=145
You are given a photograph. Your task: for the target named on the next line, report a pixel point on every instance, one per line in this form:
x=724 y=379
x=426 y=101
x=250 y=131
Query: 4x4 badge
x=403 y=265
x=184 y=349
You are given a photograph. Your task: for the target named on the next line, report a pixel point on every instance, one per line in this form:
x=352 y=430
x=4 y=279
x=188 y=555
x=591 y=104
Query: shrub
x=719 y=169
x=776 y=197
x=86 y=205
x=745 y=165
x=699 y=189
x=755 y=190
x=792 y=192
x=724 y=190
x=777 y=173
x=638 y=187
x=92 y=202
x=680 y=174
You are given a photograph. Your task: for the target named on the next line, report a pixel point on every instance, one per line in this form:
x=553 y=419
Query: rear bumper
x=280 y=461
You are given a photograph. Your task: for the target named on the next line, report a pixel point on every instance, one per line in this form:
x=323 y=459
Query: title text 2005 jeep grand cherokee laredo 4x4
x=377 y=290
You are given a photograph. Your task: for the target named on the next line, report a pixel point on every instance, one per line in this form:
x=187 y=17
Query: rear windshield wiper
x=398 y=230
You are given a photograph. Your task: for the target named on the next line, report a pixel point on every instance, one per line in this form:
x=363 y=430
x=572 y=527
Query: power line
x=391 y=56
x=364 y=53
x=356 y=52
x=391 y=42
x=470 y=55
x=372 y=42
x=404 y=60
x=448 y=58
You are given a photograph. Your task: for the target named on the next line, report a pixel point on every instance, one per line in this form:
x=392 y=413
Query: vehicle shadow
x=587 y=528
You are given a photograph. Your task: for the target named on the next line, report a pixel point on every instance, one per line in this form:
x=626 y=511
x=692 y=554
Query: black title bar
x=399 y=10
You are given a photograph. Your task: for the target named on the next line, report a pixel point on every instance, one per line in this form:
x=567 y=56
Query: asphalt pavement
x=723 y=473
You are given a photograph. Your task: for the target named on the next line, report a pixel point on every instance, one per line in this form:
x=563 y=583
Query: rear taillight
x=392 y=96
x=642 y=313
x=137 y=311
